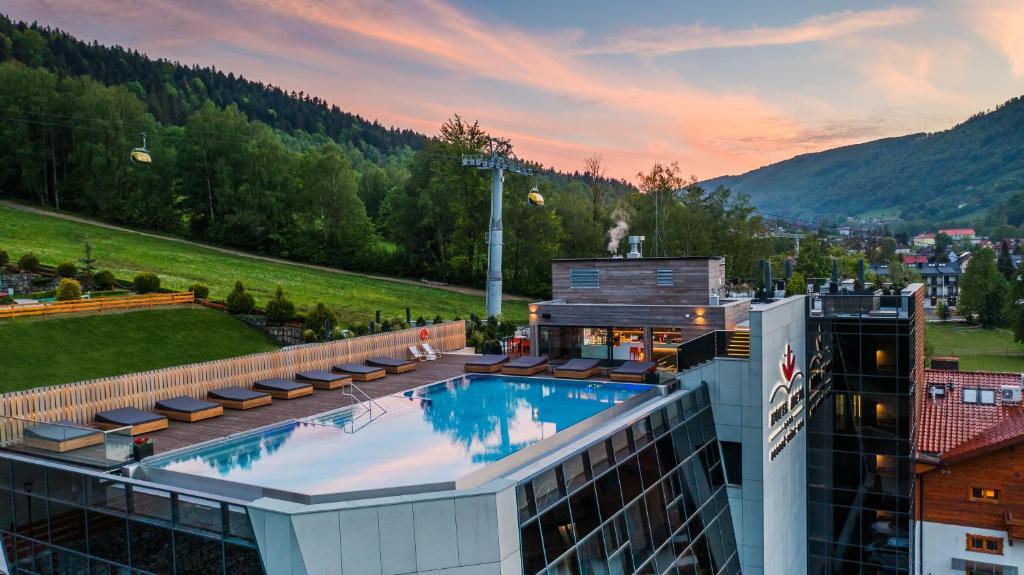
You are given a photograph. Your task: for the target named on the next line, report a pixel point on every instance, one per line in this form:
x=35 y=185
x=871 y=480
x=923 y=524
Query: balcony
x=726 y=344
x=1014 y=526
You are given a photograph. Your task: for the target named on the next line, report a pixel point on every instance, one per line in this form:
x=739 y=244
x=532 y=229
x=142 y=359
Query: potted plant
x=142 y=447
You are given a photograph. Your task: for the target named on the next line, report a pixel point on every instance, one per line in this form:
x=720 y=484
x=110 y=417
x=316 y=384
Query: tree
x=240 y=301
x=659 y=187
x=279 y=309
x=594 y=168
x=886 y=251
x=983 y=290
x=67 y=270
x=942 y=311
x=146 y=283
x=796 y=284
x=1005 y=261
x=29 y=263
x=321 y=320
x=943 y=243
x=69 y=289
x=1015 y=307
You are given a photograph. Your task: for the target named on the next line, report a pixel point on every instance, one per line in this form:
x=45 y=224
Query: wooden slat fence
x=81 y=401
x=97 y=304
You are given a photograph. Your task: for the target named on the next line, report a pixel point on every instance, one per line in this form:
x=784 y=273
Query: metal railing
x=699 y=350
x=367 y=403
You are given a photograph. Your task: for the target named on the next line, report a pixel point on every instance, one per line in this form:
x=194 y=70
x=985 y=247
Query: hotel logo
x=785 y=405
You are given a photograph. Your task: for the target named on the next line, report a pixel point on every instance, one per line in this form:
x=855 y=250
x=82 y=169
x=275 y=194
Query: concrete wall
x=458 y=533
x=769 y=509
x=941 y=543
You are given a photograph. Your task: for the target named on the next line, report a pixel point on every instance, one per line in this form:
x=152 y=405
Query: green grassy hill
x=978 y=349
x=179 y=265
x=63 y=349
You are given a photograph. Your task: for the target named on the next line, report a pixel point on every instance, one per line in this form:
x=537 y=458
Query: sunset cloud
x=688 y=38
x=1002 y=23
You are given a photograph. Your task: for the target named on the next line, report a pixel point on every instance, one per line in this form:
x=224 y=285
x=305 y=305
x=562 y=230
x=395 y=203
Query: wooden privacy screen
x=79 y=402
x=97 y=304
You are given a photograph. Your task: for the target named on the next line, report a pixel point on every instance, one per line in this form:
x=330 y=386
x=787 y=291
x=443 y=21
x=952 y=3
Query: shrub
x=309 y=336
x=199 y=291
x=279 y=309
x=359 y=330
x=421 y=321
x=4 y=258
x=146 y=283
x=6 y=300
x=492 y=347
x=338 y=333
x=476 y=341
x=29 y=263
x=239 y=300
x=104 y=280
x=67 y=270
x=69 y=289
x=437 y=319
x=320 y=316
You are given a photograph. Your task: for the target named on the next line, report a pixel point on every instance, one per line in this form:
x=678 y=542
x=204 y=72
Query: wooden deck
x=180 y=434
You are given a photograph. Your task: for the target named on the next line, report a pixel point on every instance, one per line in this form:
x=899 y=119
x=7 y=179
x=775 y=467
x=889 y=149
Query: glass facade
x=864 y=362
x=56 y=521
x=650 y=499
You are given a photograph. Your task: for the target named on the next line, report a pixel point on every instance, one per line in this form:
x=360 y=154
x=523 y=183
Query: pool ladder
x=361 y=399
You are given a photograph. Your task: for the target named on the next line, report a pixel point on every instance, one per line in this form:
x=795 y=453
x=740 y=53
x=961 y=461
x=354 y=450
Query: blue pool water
x=433 y=434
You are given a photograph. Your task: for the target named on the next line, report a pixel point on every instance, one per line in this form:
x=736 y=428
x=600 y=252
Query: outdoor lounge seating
x=420 y=355
x=391 y=365
x=360 y=372
x=188 y=409
x=632 y=371
x=283 y=388
x=578 y=369
x=140 y=421
x=526 y=365
x=60 y=436
x=486 y=363
x=320 y=379
x=239 y=397
x=430 y=350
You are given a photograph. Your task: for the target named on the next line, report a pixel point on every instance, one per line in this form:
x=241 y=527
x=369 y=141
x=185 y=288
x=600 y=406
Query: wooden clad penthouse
x=620 y=309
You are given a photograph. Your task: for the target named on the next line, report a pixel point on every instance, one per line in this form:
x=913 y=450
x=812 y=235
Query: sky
x=719 y=87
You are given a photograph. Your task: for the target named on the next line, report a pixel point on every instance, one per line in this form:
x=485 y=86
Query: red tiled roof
x=949 y=427
x=924 y=235
x=909 y=259
x=958 y=232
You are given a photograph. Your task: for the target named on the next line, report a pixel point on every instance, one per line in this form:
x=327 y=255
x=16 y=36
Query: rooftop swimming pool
x=429 y=436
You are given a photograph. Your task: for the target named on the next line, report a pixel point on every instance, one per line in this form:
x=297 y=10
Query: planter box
x=140 y=452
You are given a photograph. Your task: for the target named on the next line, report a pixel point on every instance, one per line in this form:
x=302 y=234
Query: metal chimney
x=769 y=287
x=860 y=274
x=789 y=269
x=636 y=244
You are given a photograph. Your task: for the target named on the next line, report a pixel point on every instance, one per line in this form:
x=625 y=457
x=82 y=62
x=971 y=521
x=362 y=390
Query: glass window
x=658 y=423
x=620 y=445
x=557 y=531
x=666 y=454
x=732 y=455
x=68 y=526
x=565 y=566
x=533 y=548
x=5 y=474
x=639 y=532
x=30 y=518
x=575 y=472
x=657 y=515
x=593 y=559
x=548 y=488
x=29 y=478
x=585 y=514
x=106 y=494
x=151 y=547
x=629 y=478
x=239 y=524
x=609 y=494
x=642 y=433
x=527 y=506
x=108 y=536
x=194 y=554
x=199 y=514
x=151 y=503
x=649 y=467
x=65 y=486
x=600 y=458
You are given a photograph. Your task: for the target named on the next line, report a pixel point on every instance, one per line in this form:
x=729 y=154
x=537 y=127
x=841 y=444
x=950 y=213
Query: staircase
x=739 y=345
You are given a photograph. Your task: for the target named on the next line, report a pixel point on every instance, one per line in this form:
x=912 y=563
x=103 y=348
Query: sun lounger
x=360 y=372
x=486 y=363
x=392 y=365
x=420 y=355
x=239 y=397
x=184 y=408
x=579 y=369
x=283 y=388
x=60 y=436
x=633 y=371
x=430 y=350
x=320 y=379
x=140 y=421
x=527 y=365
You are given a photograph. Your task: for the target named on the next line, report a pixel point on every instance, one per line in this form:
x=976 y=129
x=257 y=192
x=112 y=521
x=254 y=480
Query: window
x=732 y=455
x=983 y=494
x=666 y=278
x=584 y=278
x=985 y=544
x=987 y=396
x=970 y=395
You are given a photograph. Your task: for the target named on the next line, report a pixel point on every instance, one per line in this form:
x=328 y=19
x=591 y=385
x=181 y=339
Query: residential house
x=942 y=281
x=969 y=497
x=959 y=234
x=914 y=259
x=926 y=239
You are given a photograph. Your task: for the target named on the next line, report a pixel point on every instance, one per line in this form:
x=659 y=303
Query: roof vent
x=1010 y=393
x=937 y=391
x=635 y=247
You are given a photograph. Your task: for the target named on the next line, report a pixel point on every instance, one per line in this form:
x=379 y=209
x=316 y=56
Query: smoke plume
x=618 y=231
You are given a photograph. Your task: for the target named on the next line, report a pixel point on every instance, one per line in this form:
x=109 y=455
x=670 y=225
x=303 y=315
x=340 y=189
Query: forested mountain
x=952 y=175
x=249 y=166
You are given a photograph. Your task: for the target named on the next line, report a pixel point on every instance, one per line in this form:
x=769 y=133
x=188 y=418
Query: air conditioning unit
x=1010 y=393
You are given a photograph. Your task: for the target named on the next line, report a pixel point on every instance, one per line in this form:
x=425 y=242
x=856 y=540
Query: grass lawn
x=978 y=349
x=353 y=297
x=63 y=349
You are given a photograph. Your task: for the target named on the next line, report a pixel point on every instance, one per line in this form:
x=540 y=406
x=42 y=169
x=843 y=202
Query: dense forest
x=959 y=174
x=247 y=165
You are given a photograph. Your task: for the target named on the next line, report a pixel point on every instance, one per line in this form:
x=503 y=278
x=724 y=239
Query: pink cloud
x=1001 y=22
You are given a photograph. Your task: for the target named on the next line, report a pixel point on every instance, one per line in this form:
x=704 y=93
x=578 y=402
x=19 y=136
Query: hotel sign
x=785 y=405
